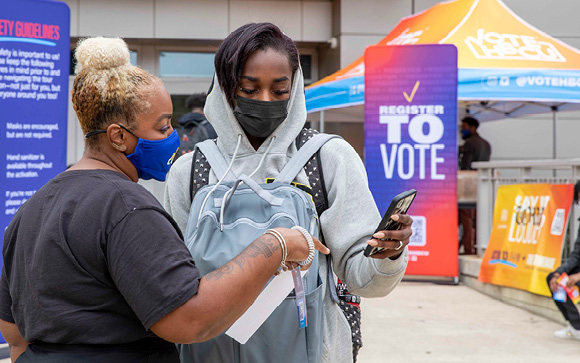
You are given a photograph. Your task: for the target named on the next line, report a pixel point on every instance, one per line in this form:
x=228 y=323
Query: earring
x=121 y=148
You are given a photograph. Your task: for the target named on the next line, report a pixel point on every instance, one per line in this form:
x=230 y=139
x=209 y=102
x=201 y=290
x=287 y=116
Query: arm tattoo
x=217 y=274
x=265 y=245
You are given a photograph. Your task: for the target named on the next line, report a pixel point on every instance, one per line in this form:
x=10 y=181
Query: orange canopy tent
x=507 y=68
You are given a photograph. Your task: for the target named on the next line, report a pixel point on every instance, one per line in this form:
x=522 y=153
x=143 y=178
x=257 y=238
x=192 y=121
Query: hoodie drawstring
x=221 y=179
x=233 y=189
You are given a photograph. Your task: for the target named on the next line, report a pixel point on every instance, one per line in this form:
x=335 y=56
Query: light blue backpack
x=224 y=219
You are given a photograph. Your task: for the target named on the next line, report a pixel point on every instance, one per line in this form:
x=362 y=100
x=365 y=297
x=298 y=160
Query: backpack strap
x=199 y=175
x=216 y=160
x=314 y=172
x=300 y=159
x=200 y=172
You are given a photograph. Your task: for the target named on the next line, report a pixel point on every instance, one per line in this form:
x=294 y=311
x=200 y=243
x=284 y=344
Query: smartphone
x=399 y=205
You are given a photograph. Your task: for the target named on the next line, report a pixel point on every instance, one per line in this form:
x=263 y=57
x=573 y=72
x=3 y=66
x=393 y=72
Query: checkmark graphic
x=410 y=98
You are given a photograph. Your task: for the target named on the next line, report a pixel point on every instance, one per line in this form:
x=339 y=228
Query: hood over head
x=220 y=114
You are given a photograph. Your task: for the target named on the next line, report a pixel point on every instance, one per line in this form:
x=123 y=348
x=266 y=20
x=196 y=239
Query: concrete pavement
x=428 y=322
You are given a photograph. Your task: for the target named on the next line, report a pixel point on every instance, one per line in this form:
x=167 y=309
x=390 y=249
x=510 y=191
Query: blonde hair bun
x=101 y=53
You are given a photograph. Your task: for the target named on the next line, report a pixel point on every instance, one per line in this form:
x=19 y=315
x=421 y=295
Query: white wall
x=176 y=19
x=302 y=20
x=557 y=18
x=365 y=22
x=531 y=137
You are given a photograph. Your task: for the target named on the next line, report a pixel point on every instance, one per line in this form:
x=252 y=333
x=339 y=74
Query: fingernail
x=373 y=243
x=379 y=235
x=395 y=217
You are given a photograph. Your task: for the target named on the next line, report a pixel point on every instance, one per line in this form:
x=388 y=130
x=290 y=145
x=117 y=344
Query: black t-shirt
x=474 y=149
x=93 y=258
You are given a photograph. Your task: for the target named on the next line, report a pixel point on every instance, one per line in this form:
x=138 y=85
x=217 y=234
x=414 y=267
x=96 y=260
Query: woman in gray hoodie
x=258 y=93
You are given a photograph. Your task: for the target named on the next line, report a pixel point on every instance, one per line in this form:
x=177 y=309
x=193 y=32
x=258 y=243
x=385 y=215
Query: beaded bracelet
x=284 y=248
x=311 y=249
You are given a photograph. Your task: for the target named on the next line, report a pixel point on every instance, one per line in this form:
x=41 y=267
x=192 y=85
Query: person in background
x=193 y=126
x=572 y=268
x=95 y=270
x=475 y=148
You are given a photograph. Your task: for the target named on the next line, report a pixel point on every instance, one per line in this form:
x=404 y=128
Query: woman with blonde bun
x=94 y=268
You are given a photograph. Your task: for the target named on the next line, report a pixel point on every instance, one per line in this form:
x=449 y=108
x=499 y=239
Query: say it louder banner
x=529 y=223
x=411 y=143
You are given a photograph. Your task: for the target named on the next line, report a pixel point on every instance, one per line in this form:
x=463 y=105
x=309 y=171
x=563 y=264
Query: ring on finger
x=400 y=245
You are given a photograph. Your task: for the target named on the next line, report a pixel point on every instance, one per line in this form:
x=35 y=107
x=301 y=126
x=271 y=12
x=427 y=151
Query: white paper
x=270 y=298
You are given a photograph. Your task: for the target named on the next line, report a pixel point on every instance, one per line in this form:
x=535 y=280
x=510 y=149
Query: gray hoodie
x=349 y=221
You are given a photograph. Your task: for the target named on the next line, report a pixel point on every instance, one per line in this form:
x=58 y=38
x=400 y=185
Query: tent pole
x=554 y=121
x=321 y=123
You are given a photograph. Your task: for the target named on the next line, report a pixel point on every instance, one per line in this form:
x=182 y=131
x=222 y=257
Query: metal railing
x=492 y=174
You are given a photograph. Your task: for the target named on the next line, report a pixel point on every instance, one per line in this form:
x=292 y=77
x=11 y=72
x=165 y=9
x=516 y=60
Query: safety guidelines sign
x=34 y=72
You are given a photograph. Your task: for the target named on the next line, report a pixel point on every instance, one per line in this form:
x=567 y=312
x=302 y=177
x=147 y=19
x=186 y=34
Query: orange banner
x=529 y=224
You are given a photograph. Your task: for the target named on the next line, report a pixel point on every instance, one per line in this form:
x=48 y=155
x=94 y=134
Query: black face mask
x=260 y=118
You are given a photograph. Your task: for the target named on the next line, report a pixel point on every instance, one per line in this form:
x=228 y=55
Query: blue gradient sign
x=411 y=143
x=34 y=71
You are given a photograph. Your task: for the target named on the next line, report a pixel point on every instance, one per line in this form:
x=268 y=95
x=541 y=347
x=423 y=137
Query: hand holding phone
x=399 y=205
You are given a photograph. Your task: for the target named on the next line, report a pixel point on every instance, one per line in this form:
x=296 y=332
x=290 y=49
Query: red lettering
x=33 y=30
x=47 y=31
x=6 y=27
x=30 y=30
x=19 y=32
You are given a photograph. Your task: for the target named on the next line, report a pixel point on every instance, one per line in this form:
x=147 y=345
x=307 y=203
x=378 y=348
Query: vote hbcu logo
x=492 y=45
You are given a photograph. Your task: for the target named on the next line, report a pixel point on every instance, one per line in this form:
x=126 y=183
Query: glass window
x=306 y=63
x=181 y=64
x=133 y=57
x=179 y=108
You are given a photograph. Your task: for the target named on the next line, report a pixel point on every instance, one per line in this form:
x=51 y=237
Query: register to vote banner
x=411 y=142
x=525 y=245
x=34 y=71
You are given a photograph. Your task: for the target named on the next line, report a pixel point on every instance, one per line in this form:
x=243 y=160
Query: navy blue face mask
x=151 y=158
x=465 y=134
